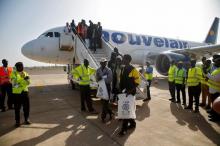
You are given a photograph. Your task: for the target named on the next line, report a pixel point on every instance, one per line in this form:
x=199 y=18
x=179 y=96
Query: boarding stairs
x=98 y=54
x=81 y=52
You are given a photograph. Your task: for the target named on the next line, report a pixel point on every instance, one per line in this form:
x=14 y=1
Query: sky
x=24 y=20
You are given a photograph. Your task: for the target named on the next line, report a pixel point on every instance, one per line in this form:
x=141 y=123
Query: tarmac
x=57 y=120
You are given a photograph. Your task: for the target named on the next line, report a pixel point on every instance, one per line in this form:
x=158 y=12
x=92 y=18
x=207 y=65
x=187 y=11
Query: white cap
x=103 y=60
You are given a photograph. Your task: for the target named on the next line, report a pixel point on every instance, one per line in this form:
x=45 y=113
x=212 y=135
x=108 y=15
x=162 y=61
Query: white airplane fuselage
x=54 y=46
x=46 y=49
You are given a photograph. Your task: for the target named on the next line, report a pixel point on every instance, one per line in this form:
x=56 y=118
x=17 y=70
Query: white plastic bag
x=126 y=107
x=102 y=90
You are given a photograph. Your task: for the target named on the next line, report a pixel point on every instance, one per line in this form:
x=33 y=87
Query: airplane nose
x=26 y=49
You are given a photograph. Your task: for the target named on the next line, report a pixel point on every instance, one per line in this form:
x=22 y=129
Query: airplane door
x=66 y=42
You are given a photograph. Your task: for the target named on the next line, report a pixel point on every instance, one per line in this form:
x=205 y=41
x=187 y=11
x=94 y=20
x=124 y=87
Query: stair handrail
x=87 y=49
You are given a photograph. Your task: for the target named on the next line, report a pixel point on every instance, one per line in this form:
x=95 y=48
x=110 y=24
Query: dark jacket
x=130 y=79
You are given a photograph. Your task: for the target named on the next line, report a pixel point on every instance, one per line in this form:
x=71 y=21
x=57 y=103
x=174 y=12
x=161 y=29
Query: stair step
x=97 y=57
x=98 y=53
x=100 y=56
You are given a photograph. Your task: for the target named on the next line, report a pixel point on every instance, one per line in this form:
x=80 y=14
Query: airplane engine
x=163 y=61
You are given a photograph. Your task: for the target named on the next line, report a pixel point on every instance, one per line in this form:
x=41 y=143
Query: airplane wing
x=199 y=51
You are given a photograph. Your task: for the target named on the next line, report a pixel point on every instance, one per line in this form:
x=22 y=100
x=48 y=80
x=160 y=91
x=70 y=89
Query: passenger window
x=49 y=34
x=57 y=34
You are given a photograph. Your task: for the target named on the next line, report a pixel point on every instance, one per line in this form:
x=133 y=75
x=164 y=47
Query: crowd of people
x=119 y=74
x=203 y=79
x=121 y=77
x=91 y=32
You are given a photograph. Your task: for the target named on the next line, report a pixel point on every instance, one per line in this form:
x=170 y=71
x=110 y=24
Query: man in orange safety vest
x=5 y=85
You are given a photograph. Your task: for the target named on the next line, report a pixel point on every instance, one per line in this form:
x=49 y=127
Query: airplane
x=160 y=51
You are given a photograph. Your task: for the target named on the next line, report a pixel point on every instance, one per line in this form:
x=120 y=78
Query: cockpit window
x=49 y=34
x=57 y=34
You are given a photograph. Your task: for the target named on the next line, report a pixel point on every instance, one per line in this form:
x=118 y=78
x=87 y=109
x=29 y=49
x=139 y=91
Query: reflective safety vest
x=179 y=76
x=19 y=84
x=5 y=75
x=148 y=76
x=171 y=73
x=194 y=76
x=214 y=84
x=83 y=73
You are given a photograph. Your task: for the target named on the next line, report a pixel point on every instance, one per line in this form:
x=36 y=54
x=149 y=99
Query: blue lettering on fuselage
x=158 y=42
x=173 y=44
x=120 y=38
x=134 y=40
x=147 y=40
x=105 y=35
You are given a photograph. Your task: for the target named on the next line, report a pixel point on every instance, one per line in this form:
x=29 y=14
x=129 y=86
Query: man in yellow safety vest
x=194 y=85
x=180 y=76
x=83 y=73
x=171 y=82
x=214 y=86
x=20 y=81
x=206 y=68
x=148 y=76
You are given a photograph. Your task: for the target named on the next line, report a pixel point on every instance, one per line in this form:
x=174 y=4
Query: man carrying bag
x=104 y=78
x=129 y=80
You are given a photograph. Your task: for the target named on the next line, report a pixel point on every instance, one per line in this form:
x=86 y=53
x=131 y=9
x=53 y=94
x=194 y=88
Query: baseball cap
x=103 y=60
